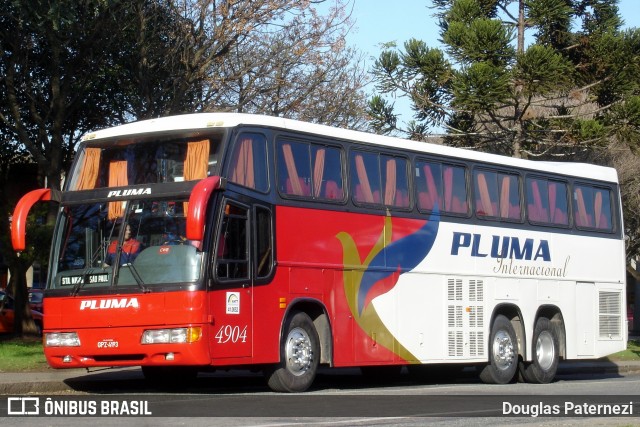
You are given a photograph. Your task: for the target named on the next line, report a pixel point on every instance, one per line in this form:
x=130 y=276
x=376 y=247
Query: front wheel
x=542 y=369
x=503 y=353
x=299 y=356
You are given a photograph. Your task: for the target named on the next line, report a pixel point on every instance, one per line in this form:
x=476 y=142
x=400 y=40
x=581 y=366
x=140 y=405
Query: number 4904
x=233 y=334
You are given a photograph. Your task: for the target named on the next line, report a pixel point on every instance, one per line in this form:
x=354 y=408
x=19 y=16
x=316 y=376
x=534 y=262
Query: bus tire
x=299 y=356
x=542 y=369
x=503 y=353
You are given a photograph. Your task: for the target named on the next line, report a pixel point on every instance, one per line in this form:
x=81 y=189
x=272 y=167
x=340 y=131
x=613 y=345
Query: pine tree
x=526 y=78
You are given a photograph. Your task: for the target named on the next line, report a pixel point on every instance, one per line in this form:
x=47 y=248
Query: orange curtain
x=196 y=164
x=485 y=198
x=89 y=169
x=318 y=172
x=504 y=196
x=243 y=173
x=364 y=179
x=117 y=178
x=552 y=201
x=432 y=190
x=291 y=170
x=597 y=209
x=390 y=186
x=582 y=218
x=448 y=187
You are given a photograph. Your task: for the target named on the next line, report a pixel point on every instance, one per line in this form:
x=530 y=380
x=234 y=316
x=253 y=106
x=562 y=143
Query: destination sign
x=85 y=279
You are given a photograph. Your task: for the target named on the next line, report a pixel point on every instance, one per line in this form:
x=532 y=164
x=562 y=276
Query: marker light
x=171 y=336
x=61 y=339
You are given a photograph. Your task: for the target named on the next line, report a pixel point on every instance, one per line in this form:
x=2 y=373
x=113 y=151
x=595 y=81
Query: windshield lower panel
x=125 y=244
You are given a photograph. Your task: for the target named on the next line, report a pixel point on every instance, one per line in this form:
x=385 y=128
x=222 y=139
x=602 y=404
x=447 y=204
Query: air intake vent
x=609 y=315
x=456 y=344
x=465 y=317
x=454 y=289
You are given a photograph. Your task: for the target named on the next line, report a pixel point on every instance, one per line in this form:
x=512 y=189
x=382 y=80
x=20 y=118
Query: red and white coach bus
x=218 y=240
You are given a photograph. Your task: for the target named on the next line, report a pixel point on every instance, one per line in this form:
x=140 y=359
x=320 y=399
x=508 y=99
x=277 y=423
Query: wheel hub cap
x=503 y=350
x=298 y=351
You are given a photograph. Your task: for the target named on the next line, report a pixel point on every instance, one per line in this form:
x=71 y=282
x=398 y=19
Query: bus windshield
x=128 y=161
x=138 y=243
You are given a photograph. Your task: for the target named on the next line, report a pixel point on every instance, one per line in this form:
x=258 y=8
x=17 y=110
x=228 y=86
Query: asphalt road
x=345 y=397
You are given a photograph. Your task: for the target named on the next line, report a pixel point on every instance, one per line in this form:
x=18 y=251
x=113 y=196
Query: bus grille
x=465 y=318
x=609 y=314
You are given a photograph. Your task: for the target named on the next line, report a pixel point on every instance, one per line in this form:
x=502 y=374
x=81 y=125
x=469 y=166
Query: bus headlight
x=61 y=339
x=171 y=336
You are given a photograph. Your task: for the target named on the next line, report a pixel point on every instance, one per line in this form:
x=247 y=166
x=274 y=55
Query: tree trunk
x=23 y=321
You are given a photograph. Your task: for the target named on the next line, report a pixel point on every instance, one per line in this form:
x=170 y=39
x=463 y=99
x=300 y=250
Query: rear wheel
x=542 y=369
x=503 y=353
x=299 y=356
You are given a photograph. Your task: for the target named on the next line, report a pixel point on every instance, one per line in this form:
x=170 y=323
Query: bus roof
x=200 y=121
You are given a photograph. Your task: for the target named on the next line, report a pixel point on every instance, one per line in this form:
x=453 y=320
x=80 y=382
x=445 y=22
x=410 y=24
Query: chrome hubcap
x=545 y=350
x=503 y=353
x=298 y=352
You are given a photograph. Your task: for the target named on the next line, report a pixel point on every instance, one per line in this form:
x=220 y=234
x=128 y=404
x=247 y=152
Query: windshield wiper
x=85 y=279
x=137 y=278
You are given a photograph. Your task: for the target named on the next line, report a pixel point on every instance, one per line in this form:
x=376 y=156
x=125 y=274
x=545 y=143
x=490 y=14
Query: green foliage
x=481 y=87
x=485 y=40
x=382 y=115
x=590 y=130
x=21 y=355
x=541 y=70
x=552 y=19
x=626 y=117
x=632 y=353
x=557 y=96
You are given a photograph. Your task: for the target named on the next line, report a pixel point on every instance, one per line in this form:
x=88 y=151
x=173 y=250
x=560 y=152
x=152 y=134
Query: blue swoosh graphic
x=404 y=254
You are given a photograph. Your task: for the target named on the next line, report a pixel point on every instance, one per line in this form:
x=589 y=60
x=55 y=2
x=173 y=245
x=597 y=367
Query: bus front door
x=231 y=299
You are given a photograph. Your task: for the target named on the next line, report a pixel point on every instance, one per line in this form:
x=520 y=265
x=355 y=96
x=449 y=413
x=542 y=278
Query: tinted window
x=547 y=201
x=497 y=195
x=249 y=162
x=441 y=185
x=310 y=170
x=592 y=207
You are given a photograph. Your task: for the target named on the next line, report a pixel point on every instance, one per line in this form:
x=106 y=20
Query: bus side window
x=232 y=262
x=428 y=185
x=294 y=169
x=395 y=181
x=592 y=207
x=455 y=189
x=537 y=200
x=558 y=205
x=249 y=162
x=264 y=242
x=509 y=186
x=547 y=201
x=327 y=173
x=365 y=178
x=485 y=185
